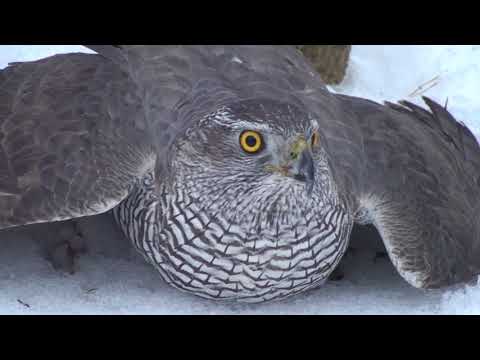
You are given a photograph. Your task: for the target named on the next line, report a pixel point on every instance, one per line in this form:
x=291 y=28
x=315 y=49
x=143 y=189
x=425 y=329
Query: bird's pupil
x=251 y=141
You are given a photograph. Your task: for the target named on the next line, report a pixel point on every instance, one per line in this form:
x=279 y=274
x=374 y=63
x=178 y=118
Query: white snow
x=112 y=279
x=396 y=72
x=13 y=53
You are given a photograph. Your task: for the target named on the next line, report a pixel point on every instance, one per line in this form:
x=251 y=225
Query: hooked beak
x=305 y=171
x=298 y=164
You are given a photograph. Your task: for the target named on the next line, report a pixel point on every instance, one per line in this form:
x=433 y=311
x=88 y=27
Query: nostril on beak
x=300 y=177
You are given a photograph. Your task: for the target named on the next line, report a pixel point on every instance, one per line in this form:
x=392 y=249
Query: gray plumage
x=155 y=130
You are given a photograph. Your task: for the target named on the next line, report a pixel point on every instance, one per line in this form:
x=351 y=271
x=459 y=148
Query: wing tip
x=436 y=117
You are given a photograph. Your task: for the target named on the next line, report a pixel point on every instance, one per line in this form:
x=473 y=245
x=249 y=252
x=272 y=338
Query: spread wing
x=72 y=139
x=420 y=188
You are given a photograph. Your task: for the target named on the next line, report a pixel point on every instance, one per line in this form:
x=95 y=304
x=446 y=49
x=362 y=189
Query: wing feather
x=72 y=139
x=420 y=189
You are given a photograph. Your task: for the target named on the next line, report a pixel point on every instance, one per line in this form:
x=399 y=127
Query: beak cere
x=298 y=164
x=301 y=162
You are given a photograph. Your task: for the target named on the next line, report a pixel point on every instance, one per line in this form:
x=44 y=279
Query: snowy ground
x=112 y=278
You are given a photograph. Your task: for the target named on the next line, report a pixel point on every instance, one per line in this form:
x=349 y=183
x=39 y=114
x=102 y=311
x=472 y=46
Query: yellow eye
x=251 y=141
x=315 y=139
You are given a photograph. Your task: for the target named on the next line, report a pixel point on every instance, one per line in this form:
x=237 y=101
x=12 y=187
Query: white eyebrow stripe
x=237 y=60
x=240 y=124
x=226 y=118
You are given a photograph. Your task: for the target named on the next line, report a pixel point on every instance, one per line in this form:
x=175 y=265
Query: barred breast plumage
x=225 y=235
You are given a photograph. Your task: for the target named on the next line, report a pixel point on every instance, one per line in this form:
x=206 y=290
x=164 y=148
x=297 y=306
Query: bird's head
x=253 y=199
